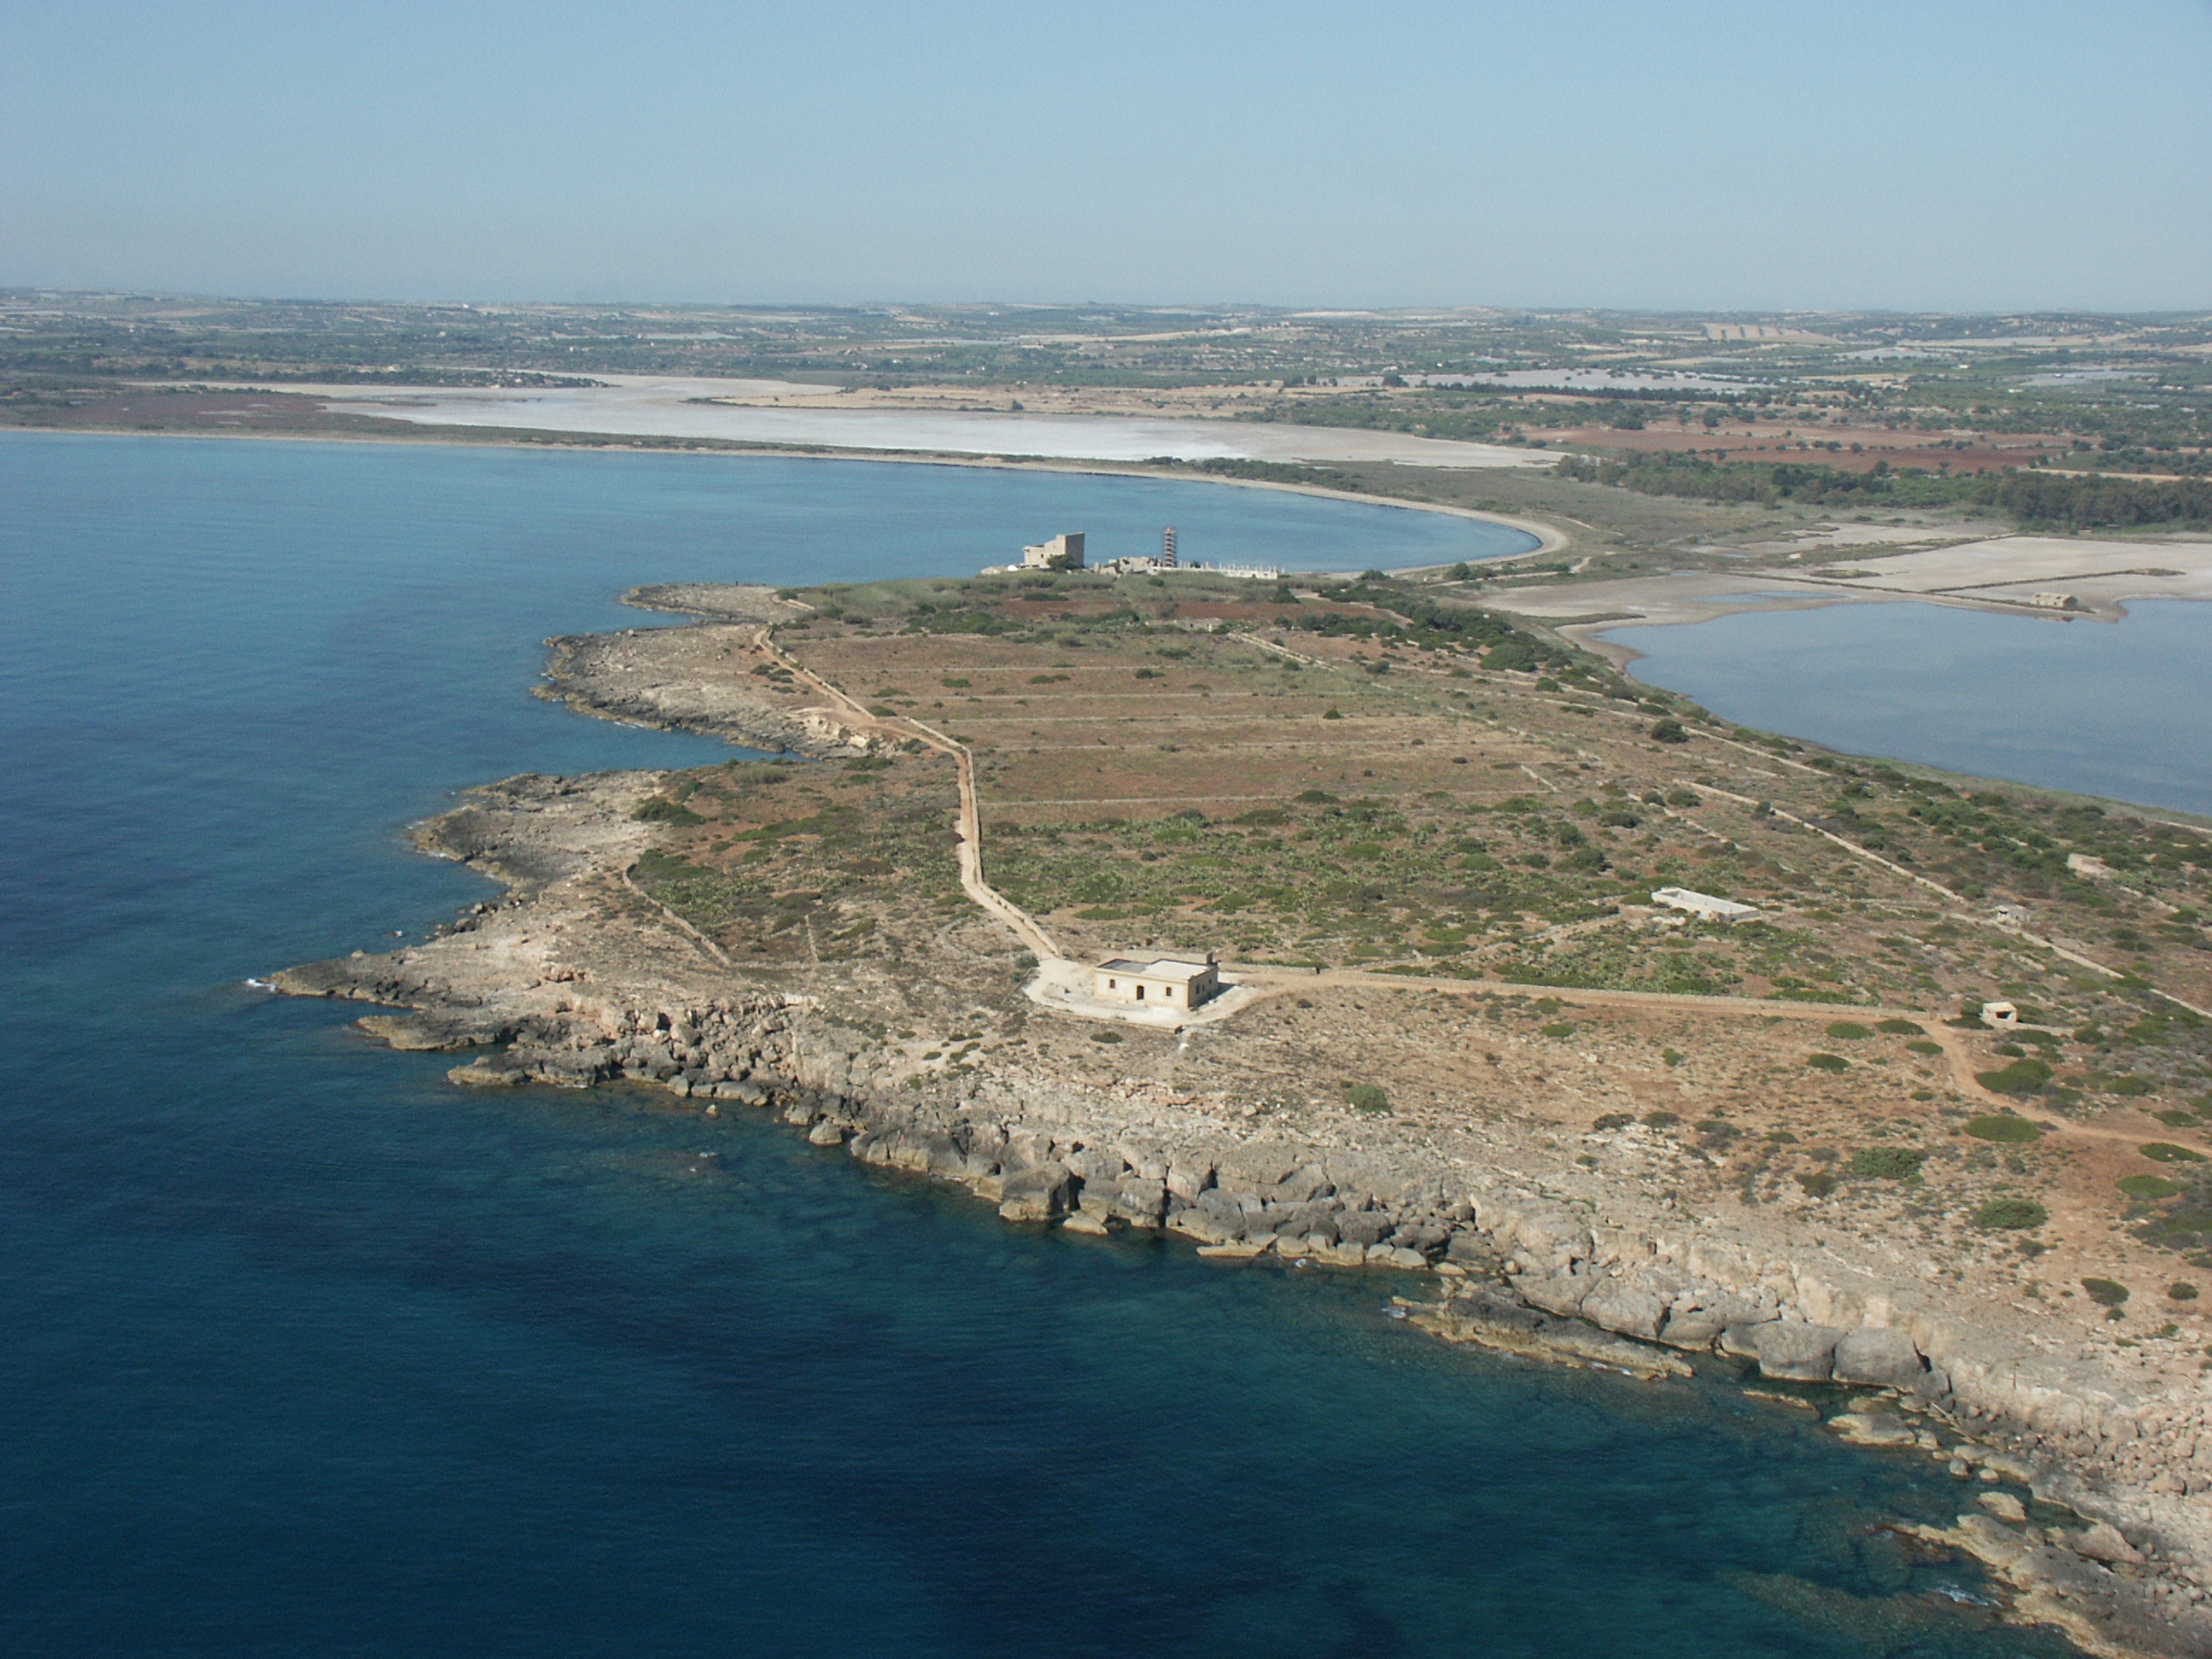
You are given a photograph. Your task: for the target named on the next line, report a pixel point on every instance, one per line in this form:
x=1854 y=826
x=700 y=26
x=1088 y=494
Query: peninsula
x=1895 y=1099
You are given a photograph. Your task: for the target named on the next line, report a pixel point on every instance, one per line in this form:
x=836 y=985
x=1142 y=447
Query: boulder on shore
x=1039 y=1194
x=1623 y=1305
x=1884 y=1359
x=1795 y=1353
x=1561 y=1293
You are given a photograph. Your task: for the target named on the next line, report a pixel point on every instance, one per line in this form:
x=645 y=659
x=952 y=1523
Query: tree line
x=2042 y=500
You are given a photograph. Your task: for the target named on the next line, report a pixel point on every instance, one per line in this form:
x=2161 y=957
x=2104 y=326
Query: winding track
x=1275 y=982
x=969 y=835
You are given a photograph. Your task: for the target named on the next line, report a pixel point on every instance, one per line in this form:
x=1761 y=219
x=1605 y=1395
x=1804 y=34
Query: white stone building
x=1067 y=551
x=1175 y=981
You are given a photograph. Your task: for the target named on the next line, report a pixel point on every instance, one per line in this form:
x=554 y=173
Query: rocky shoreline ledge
x=556 y=994
x=2084 y=1489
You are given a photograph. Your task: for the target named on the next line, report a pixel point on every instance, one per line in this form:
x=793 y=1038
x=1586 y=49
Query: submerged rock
x=1873 y=1428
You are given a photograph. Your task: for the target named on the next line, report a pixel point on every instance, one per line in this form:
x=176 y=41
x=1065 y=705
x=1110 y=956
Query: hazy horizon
x=1711 y=156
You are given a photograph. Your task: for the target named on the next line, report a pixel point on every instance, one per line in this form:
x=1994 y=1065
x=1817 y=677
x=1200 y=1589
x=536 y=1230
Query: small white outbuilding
x=1705 y=904
x=1176 y=981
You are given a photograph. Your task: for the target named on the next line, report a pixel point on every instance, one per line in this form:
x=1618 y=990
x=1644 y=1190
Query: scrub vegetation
x=1372 y=776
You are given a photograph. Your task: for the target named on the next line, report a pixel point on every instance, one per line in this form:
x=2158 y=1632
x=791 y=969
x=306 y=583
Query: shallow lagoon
x=2115 y=709
x=310 y=1352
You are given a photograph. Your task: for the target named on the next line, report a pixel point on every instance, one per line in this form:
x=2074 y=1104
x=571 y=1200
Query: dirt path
x=1266 y=981
x=1279 y=980
x=970 y=834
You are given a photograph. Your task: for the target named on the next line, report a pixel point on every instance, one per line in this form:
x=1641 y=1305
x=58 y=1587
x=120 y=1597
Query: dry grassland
x=1484 y=842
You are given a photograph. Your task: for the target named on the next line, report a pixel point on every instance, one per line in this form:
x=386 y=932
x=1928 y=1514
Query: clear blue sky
x=1944 y=155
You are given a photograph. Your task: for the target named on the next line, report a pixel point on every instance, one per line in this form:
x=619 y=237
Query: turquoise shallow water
x=307 y=1352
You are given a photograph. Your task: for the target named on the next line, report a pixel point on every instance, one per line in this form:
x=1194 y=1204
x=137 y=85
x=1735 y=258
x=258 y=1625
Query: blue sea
x=303 y=1352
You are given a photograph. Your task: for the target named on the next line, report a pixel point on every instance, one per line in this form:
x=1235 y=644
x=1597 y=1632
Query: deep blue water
x=2116 y=709
x=306 y=1353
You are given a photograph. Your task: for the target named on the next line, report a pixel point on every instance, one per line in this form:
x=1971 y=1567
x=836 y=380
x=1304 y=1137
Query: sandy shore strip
x=2019 y=575
x=757 y=411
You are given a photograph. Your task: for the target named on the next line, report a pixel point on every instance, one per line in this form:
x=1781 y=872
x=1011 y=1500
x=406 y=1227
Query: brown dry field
x=1798 y=440
x=1430 y=845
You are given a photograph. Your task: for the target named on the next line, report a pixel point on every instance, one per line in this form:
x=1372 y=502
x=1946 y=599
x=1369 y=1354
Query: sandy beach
x=2003 y=573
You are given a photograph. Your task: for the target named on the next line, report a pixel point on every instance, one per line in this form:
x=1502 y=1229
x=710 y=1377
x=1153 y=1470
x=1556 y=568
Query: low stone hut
x=1176 y=981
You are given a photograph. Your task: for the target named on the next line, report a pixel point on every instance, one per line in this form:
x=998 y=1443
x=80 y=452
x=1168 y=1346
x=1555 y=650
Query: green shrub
x=1827 y=1063
x=1559 y=1028
x=1366 y=1098
x=2129 y=1085
x=1669 y=731
x=2165 y=1152
x=1921 y=1045
x=1888 y=1163
x=2010 y=1214
x=2106 y=1292
x=2003 y=1127
x=660 y=810
x=2022 y=1077
x=2181 y=1291
x=1848 y=1030
x=1818 y=1185
x=1659 y=1120
x=1622 y=1119
x=1105 y=1036
x=2149 y=1188
x=1901 y=1028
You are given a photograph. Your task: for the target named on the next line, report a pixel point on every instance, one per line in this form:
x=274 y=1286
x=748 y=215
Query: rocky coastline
x=2090 y=1496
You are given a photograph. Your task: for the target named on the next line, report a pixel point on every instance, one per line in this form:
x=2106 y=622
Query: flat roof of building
x=1689 y=898
x=1160 y=968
